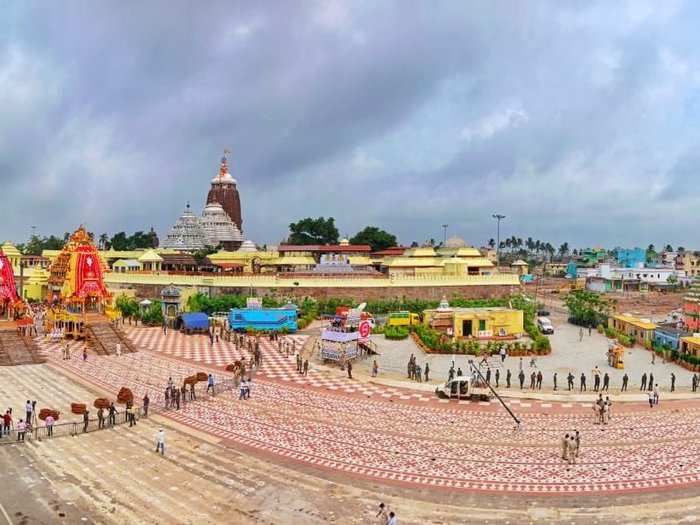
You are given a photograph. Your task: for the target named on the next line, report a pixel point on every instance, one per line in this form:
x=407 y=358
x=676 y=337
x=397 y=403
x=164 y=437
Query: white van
x=545 y=325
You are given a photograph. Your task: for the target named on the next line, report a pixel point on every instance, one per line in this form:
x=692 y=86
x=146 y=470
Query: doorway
x=467 y=328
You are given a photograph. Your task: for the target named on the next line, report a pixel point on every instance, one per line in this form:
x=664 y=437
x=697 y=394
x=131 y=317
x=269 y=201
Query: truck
x=402 y=318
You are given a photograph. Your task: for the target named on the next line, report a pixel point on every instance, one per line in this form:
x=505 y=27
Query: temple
x=220 y=222
x=225 y=192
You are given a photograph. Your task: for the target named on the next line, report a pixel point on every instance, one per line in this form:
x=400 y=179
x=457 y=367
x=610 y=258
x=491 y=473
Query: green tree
x=313 y=231
x=564 y=249
x=37 y=244
x=119 y=241
x=376 y=238
x=492 y=243
x=587 y=308
x=128 y=307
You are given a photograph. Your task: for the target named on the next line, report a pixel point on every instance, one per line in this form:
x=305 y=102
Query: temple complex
x=220 y=222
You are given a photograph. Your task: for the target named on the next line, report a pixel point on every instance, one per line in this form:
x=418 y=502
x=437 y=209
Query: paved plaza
x=569 y=354
x=354 y=442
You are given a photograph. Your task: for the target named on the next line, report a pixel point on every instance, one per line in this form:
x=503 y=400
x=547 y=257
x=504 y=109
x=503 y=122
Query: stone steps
x=18 y=350
x=104 y=337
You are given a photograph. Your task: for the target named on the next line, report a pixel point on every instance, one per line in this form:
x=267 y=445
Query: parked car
x=542 y=313
x=545 y=325
x=463 y=387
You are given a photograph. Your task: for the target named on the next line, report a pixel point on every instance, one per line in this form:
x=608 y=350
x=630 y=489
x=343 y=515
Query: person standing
x=49 y=425
x=533 y=380
x=86 y=420
x=349 y=369
x=695 y=382
x=84 y=354
x=112 y=415
x=651 y=400
x=502 y=351
x=508 y=378
x=100 y=418
x=210 y=383
x=427 y=372
x=539 y=380
x=176 y=395
x=596 y=379
x=656 y=394
x=147 y=402
x=650 y=384
x=580 y=334
x=521 y=377
x=497 y=376
x=160 y=442
x=606 y=382
x=21 y=429
x=392 y=519
x=166 y=397
x=488 y=376
x=554 y=379
x=306 y=367
x=577 y=443
x=6 y=423
x=565 y=448
x=673 y=382
x=520 y=364
x=375 y=368
x=118 y=350
x=625 y=379
x=570 y=381
x=643 y=384
x=382 y=515
x=28 y=410
x=582 y=387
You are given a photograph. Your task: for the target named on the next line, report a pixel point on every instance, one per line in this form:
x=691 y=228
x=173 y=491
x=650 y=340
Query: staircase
x=18 y=350
x=103 y=338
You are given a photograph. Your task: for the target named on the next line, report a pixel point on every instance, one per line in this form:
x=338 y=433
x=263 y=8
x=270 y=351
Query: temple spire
x=223 y=169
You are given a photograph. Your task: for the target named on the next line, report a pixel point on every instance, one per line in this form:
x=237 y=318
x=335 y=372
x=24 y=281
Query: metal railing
x=74 y=428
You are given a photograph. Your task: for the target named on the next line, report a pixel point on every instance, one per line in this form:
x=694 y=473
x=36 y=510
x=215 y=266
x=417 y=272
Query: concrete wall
x=355 y=293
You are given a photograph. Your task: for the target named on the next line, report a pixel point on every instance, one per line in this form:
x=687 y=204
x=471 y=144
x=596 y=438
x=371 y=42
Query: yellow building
x=690 y=345
x=426 y=260
x=640 y=330
x=519 y=267
x=479 y=323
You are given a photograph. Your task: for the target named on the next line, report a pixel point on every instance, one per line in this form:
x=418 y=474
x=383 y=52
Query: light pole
x=498 y=218
x=444 y=234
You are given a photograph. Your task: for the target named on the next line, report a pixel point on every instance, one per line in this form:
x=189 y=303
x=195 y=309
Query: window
x=482 y=325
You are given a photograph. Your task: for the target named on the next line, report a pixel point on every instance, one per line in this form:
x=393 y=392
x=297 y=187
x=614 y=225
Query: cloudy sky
x=577 y=120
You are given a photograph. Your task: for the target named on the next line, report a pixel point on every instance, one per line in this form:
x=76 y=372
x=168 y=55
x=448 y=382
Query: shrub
x=396 y=332
x=625 y=340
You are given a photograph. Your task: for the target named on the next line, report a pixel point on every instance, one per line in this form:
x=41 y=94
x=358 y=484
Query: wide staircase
x=103 y=337
x=18 y=350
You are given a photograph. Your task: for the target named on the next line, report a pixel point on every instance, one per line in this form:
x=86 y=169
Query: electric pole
x=498 y=218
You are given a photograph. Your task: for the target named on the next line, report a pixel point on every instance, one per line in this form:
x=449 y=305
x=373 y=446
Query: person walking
x=651 y=400
x=393 y=520
x=160 y=442
x=520 y=363
x=100 y=418
x=375 y=368
x=533 y=380
x=210 y=383
x=488 y=376
x=146 y=403
x=580 y=335
x=673 y=382
x=643 y=383
x=502 y=353
x=625 y=379
x=349 y=369
x=694 y=382
x=306 y=367
x=582 y=387
x=577 y=443
x=656 y=394
x=650 y=384
x=521 y=377
x=382 y=515
x=176 y=395
x=565 y=448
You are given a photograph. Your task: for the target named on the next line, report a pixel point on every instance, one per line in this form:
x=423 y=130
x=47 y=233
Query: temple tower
x=224 y=191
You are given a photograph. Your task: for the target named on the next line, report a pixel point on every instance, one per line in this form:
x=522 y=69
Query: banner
x=88 y=273
x=8 y=290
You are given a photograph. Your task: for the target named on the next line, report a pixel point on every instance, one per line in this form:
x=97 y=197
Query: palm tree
x=492 y=243
x=530 y=244
x=564 y=249
x=104 y=238
x=668 y=248
x=651 y=248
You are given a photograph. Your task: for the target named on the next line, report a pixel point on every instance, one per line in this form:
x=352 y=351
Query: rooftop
x=324 y=248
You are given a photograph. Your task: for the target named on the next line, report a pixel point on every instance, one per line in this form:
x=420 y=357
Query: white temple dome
x=455 y=242
x=218 y=226
x=186 y=234
x=224 y=178
x=344 y=242
x=248 y=246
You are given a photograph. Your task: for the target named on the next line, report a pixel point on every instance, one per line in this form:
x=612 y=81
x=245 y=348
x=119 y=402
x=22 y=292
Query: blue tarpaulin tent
x=195 y=321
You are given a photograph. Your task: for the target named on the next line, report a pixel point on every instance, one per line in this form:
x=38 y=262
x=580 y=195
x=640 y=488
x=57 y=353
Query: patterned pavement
x=407 y=440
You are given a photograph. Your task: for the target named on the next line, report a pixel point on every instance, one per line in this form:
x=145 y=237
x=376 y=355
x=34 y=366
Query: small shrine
x=170 y=299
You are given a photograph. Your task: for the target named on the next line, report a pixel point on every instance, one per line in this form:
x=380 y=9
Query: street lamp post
x=444 y=234
x=498 y=218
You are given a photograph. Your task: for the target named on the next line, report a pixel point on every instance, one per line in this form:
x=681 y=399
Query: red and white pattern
x=427 y=444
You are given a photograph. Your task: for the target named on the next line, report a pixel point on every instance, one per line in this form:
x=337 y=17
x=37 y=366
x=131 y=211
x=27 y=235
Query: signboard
x=365 y=330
